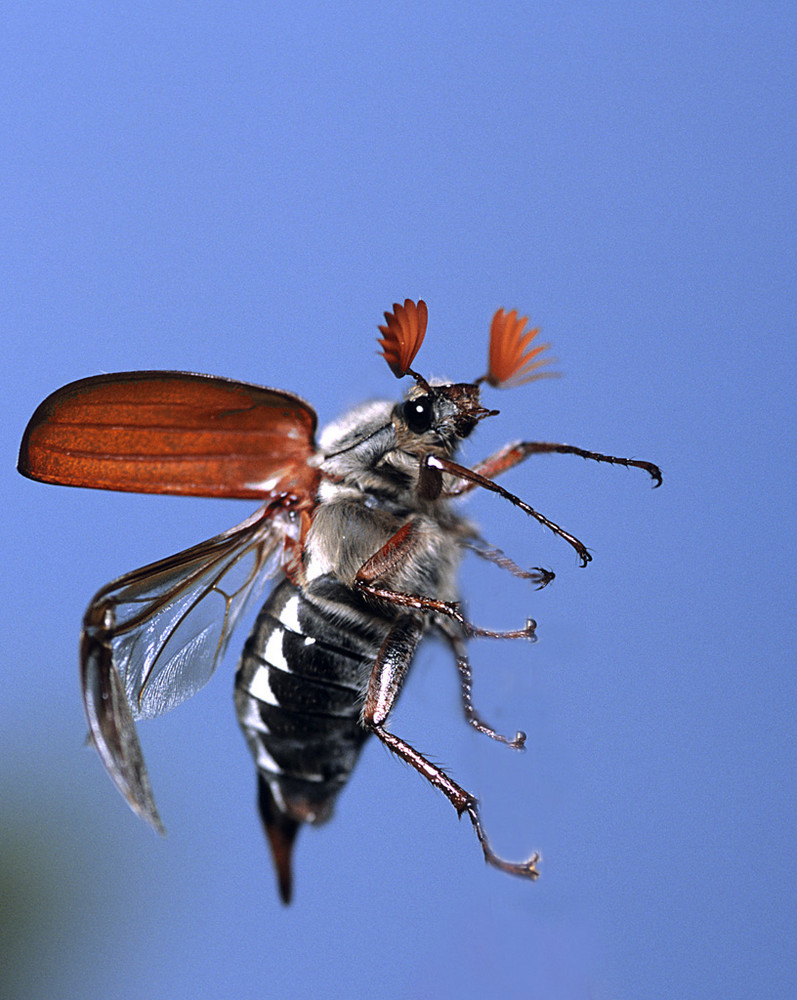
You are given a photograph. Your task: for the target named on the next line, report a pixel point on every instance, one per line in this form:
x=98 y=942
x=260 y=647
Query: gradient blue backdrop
x=242 y=189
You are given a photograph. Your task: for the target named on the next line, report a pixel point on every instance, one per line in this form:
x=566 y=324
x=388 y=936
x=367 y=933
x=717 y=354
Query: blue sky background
x=242 y=189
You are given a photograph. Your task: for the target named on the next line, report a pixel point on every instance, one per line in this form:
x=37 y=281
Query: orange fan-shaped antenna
x=511 y=361
x=403 y=335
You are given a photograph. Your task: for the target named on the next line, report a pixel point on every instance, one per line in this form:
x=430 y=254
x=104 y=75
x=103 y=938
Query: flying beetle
x=360 y=526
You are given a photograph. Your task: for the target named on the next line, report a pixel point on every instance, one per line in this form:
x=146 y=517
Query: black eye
x=418 y=414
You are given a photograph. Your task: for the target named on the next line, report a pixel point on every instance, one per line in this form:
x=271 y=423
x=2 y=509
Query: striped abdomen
x=299 y=691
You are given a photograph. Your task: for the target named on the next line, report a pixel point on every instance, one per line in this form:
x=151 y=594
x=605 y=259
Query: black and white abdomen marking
x=299 y=691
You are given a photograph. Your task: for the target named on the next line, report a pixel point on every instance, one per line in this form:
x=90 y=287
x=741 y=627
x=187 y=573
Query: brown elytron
x=172 y=432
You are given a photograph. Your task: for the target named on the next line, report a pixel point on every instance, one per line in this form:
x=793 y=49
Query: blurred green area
x=52 y=906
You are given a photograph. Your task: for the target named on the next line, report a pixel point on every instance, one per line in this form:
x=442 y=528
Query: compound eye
x=418 y=414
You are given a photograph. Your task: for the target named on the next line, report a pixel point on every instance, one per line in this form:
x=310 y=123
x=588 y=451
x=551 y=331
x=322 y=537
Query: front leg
x=513 y=454
x=477 y=479
x=387 y=676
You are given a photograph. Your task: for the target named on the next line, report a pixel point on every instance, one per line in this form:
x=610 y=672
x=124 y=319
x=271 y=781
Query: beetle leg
x=386 y=678
x=538 y=575
x=448 y=608
x=396 y=550
x=466 y=686
x=461 y=471
x=513 y=454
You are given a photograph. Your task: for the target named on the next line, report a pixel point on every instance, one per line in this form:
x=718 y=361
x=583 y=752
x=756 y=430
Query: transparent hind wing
x=154 y=637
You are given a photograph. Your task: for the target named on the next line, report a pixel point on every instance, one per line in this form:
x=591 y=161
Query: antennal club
x=511 y=361
x=403 y=335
